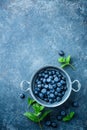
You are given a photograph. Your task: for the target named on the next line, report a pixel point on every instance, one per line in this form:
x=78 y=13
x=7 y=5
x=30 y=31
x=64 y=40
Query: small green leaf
x=31 y=101
x=68 y=59
x=37 y=107
x=69 y=116
x=44 y=115
x=31 y=116
x=62 y=60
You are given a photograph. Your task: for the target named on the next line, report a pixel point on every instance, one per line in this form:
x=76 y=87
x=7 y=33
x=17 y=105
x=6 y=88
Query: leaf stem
x=40 y=125
x=72 y=66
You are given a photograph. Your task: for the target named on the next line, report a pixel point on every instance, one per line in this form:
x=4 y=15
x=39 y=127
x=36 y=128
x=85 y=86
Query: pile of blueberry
x=50 y=85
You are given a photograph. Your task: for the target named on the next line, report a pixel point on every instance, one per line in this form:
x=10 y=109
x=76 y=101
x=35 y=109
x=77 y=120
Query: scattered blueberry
x=58 y=90
x=59 y=117
x=63 y=113
x=56 y=79
x=46 y=86
x=22 y=95
x=51 y=95
x=41 y=95
x=61 y=53
x=58 y=99
x=48 y=123
x=54 y=124
x=48 y=80
x=75 y=104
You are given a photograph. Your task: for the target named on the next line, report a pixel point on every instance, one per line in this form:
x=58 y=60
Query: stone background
x=31 y=34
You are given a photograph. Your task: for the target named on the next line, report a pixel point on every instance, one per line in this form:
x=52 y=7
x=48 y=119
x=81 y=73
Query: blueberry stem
x=72 y=66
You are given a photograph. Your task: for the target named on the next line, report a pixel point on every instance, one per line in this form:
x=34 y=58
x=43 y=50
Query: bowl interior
x=68 y=84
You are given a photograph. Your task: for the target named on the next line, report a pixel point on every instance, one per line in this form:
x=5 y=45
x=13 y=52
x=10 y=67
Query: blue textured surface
x=31 y=33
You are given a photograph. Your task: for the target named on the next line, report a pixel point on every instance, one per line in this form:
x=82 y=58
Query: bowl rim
x=51 y=105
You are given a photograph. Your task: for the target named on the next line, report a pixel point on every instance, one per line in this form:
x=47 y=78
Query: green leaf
x=44 y=115
x=37 y=107
x=31 y=116
x=31 y=101
x=64 y=65
x=62 y=60
x=68 y=59
x=69 y=116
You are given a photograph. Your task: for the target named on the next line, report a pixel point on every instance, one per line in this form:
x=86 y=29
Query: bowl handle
x=79 y=86
x=22 y=85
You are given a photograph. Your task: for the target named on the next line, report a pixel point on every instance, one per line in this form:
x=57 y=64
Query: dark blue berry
x=58 y=99
x=46 y=86
x=56 y=93
x=22 y=95
x=62 y=82
x=50 y=100
x=59 y=95
x=48 y=123
x=46 y=76
x=75 y=104
x=63 y=113
x=54 y=124
x=41 y=95
x=48 y=80
x=59 y=84
x=51 y=95
x=50 y=86
x=61 y=53
x=44 y=80
x=58 y=90
x=59 y=117
x=44 y=91
x=39 y=82
x=36 y=92
x=52 y=82
x=56 y=79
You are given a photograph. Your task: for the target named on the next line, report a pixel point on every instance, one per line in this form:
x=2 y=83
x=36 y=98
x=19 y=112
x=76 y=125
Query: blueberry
x=63 y=78
x=50 y=72
x=46 y=76
x=54 y=86
x=37 y=89
x=41 y=95
x=40 y=75
x=45 y=71
x=52 y=90
x=48 y=80
x=56 y=79
x=57 y=72
x=62 y=82
x=48 y=123
x=63 y=93
x=59 y=95
x=39 y=82
x=51 y=77
x=60 y=76
x=45 y=99
x=50 y=86
x=22 y=95
x=61 y=53
x=39 y=85
x=46 y=86
x=58 y=99
x=58 y=90
x=54 y=124
x=56 y=93
x=53 y=72
x=75 y=104
x=59 y=117
x=51 y=95
x=65 y=88
x=44 y=80
x=36 y=92
x=52 y=82
x=59 y=84
x=63 y=113
x=48 y=92
x=50 y=100
x=54 y=75
x=44 y=91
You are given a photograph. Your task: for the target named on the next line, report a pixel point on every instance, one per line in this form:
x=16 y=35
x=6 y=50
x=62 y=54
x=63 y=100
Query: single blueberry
x=51 y=77
x=46 y=76
x=45 y=71
x=48 y=123
x=54 y=75
x=51 y=95
x=50 y=100
x=54 y=124
x=48 y=92
x=59 y=95
x=52 y=91
x=46 y=86
x=50 y=87
x=56 y=79
x=59 y=84
x=49 y=72
x=48 y=80
x=39 y=85
x=58 y=99
x=54 y=86
x=63 y=113
x=56 y=93
x=41 y=95
x=61 y=53
x=63 y=78
x=59 y=117
x=57 y=72
x=44 y=91
x=36 y=92
x=45 y=99
x=39 y=82
x=44 y=80
x=75 y=104
x=53 y=72
x=60 y=76
x=52 y=82
x=40 y=74
x=22 y=95
x=58 y=90
x=62 y=82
